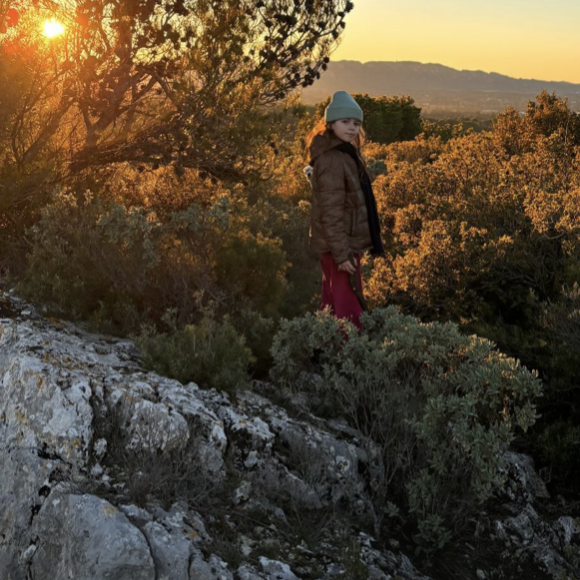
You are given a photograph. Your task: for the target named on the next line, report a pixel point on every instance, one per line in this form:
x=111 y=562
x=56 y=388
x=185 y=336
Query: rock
x=100 y=448
x=245 y=572
x=215 y=569
x=136 y=514
x=242 y=493
x=180 y=519
x=500 y=531
x=24 y=487
x=538 y=541
x=522 y=524
x=86 y=538
x=170 y=552
x=276 y=570
x=38 y=413
x=70 y=400
x=520 y=469
x=567 y=528
x=154 y=428
x=335 y=570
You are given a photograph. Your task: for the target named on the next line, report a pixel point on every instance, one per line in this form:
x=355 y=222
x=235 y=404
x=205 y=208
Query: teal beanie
x=342 y=106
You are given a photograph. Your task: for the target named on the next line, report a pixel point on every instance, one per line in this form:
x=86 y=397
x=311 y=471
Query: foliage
x=94 y=259
x=432 y=129
x=246 y=264
x=258 y=331
x=116 y=61
x=386 y=119
x=173 y=83
x=481 y=229
x=290 y=222
x=103 y=262
x=562 y=317
x=90 y=256
x=210 y=353
x=440 y=405
x=436 y=122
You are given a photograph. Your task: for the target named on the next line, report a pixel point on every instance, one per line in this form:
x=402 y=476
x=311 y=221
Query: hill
x=435 y=87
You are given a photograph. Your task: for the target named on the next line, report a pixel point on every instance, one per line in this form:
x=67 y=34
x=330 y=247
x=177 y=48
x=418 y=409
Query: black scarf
x=372 y=213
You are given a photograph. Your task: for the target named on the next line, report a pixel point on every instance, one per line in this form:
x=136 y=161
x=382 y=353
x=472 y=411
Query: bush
x=477 y=226
x=210 y=353
x=253 y=269
x=483 y=230
x=562 y=317
x=440 y=405
x=258 y=332
x=119 y=267
x=387 y=119
x=291 y=224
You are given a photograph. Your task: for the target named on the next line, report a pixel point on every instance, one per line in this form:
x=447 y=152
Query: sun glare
x=52 y=28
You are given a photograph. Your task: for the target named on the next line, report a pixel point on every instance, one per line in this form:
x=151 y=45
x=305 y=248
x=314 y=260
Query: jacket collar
x=322 y=143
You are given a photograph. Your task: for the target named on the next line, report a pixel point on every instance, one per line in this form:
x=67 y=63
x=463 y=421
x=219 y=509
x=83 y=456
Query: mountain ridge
x=435 y=86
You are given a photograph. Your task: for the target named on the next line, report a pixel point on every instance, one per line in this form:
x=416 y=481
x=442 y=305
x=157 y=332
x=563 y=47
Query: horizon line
x=455 y=69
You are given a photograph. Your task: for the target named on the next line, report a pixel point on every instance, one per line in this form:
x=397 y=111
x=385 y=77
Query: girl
x=344 y=221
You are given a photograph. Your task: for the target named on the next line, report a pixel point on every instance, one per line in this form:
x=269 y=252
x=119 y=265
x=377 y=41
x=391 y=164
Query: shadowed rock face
x=59 y=383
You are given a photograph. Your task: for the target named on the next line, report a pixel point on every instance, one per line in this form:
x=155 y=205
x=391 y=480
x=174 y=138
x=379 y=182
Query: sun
x=52 y=28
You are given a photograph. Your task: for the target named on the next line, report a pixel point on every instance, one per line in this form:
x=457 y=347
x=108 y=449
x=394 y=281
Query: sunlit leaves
x=123 y=65
x=12 y=17
x=483 y=226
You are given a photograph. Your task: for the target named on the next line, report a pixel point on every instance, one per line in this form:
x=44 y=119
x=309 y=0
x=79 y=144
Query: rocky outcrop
x=550 y=545
x=69 y=398
x=111 y=472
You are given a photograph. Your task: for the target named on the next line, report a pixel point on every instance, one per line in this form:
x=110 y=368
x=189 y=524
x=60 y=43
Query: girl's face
x=346 y=129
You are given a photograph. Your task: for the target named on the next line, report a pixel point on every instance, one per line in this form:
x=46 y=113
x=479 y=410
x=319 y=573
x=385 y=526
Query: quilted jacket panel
x=338 y=222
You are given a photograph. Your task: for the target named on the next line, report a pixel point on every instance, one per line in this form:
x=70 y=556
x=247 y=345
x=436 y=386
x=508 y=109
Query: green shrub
x=258 y=332
x=277 y=218
x=210 y=353
x=440 y=405
x=562 y=317
x=482 y=229
x=253 y=269
x=387 y=119
x=120 y=267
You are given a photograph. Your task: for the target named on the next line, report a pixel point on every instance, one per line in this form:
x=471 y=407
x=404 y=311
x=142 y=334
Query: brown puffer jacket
x=338 y=222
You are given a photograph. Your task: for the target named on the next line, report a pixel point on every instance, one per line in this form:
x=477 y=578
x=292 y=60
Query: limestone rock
x=272 y=467
x=170 y=552
x=86 y=538
x=277 y=570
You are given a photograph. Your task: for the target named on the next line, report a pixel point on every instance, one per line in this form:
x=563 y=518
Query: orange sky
x=519 y=38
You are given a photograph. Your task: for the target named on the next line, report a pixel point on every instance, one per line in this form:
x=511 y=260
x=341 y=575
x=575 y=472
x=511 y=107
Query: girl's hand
x=347 y=266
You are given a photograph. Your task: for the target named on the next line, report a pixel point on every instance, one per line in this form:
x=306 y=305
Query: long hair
x=325 y=129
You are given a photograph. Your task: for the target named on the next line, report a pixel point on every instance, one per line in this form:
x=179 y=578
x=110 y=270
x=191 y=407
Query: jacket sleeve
x=331 y=192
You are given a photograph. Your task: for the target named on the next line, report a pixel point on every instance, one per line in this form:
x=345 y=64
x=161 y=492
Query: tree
x=158 y=82
x=550 y=114
x=386 y=119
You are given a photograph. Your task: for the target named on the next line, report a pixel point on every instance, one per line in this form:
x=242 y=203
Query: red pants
x=337 y=291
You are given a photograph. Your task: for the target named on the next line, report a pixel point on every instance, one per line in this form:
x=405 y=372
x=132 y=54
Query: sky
x=531 y=39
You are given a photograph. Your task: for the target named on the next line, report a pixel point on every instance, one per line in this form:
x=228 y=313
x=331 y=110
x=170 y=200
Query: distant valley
x=437 y=89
